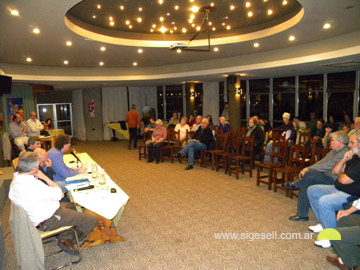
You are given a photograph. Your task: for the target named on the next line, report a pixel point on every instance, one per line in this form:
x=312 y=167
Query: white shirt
x=195 y=127
x=182 y=130
x=34 y=127
x=39 y=200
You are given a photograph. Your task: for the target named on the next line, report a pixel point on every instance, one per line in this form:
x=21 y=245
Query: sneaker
x=316 y=229
x=323 y=243
x=189 y=167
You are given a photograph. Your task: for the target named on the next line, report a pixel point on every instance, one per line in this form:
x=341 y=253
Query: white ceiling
x=312 y=49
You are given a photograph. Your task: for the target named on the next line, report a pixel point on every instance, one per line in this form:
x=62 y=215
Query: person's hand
x=328 y=131
x=343 y=213
x=315 y=137
x=40 y=175
x=303 y=171
x=348 y=155
x=82 y=170
x=48 y=163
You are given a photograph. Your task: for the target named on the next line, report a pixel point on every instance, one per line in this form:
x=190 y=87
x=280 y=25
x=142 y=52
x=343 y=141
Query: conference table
x=123 y=134
x=108 y=207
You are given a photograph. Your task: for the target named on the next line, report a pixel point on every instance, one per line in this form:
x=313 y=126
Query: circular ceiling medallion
x=160 y=23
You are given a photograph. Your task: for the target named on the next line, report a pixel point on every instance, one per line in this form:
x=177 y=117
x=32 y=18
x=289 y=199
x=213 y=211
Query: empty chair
x=246 y=156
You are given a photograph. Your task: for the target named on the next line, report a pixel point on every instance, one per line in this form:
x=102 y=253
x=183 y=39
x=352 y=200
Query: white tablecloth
x=99 y=199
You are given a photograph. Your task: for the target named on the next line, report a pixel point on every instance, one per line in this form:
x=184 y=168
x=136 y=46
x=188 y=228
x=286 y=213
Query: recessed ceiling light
x=232 y=7
x=250 y=13
x=194 y=9
x=110 y=18
x=98 y=6
x=154 y=26
x=212 y=4
x=139 y=20
x=161 y=2
x=223 y=24
x=101 y=63
x=184 y=30
x=190 y=21
x=210 y=23
x=291 y=38
x=269 y=12
x=122 y=7
x=175 y=28
x=265 y=0
x=192 y=16
x=14 y=12
x=327 y=26
x=28 y=59
x=172 y=22
x=198 y=28
x=140 y=50
x=216 y=49
x=213 y=28
x=171 y=31
x=193 y=25
x=168 y=14
x=176 y=7
x=256 y=44
x=140 y=9
x=228 y=27
x=247 y=4
x=130 y=26
x=66 y=62
x=68 y=43
x=161 y=19
x=162 y=29
x=36 y=31
x=135 y=64
x=94 y=16
x=284 y=2
x=178 y=50
x=151 y=30
x=103 y=49
x=112 y=23
x=127 y=22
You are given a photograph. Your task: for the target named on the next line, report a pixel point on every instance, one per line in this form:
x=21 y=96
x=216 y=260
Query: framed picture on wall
x=15 y=105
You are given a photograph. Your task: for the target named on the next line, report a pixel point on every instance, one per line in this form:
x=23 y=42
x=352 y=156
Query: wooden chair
x=143 y=147
x=172 y=146
x=297 y=161
x=197 y=156
x=220 y=147
x=246 y=156
x=279 y=151
x=233 y=148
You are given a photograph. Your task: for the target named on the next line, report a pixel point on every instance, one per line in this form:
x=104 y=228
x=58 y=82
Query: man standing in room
x=18 y=131
x=318 y=173
x=133 y=120
x=202 y=140
x=34 y=125
x=56 y=155
x=33 y=143
x=41 y=202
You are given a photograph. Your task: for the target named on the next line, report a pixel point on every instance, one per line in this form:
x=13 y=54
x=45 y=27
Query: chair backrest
x=247 y=148
x=242 y=131
x=147 y=135
x=221 y=142
x=303 y=137
x=173 y=137
x=317 y=154
x=27 y=241
x=189 y=135
x=279 y=150
x=298 y=156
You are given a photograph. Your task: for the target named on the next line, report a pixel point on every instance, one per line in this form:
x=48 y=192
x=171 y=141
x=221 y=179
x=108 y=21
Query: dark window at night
x=259 y=98
x=160 y=102
x=284 y=98
x=311 y=96
x=174 y=100
x=198 y=108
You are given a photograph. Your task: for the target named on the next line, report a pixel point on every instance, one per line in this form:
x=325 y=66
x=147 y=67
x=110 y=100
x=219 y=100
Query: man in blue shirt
x=56 y=155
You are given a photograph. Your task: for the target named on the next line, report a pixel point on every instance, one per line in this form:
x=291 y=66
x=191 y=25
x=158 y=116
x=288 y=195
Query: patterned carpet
x=173 y=214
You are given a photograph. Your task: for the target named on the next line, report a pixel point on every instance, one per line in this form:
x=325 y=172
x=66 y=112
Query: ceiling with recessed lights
x=61 y=43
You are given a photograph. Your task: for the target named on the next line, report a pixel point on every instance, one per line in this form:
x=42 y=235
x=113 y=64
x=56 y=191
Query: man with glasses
x=318 y=173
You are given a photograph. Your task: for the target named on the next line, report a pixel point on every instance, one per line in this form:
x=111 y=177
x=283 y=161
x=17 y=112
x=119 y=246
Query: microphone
x=77 y=158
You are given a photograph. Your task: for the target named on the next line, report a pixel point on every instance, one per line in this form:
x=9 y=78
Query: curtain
x=211 y=101
x=78 y=115
x=24 y=92
x=148 y=95
x=136 y=97
x=114 y=106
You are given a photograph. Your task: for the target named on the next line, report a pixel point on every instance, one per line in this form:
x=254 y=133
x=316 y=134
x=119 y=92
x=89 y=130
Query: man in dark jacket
x=202 y=140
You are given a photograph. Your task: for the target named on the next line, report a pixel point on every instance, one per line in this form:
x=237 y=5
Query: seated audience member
x=45 y=164
x=318 y=132
x=265 y=124
x=286 y=129
x=327 y=137
x=174 y=120
x=209 y=118
x=301 y=129
x=255 y=131
x=356 y=126
x=347 y=120
x=331 y=123
x=313 y=121
x=202 y=140
x=34 y=125
x=347 y=248
x=191 y=120
x=33 y=143
x=346 y=129
x=48 y=124
x=318 y=173
x=183 y=127
x=151 y=125
x=18 y=130
x=158 y=140
x=226 y=112
x=197 y=123
x=223 y=125
x=41 y=203
x=326 y=199
x=56 y=155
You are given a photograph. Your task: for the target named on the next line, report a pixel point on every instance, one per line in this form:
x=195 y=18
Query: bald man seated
x=45 y=164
